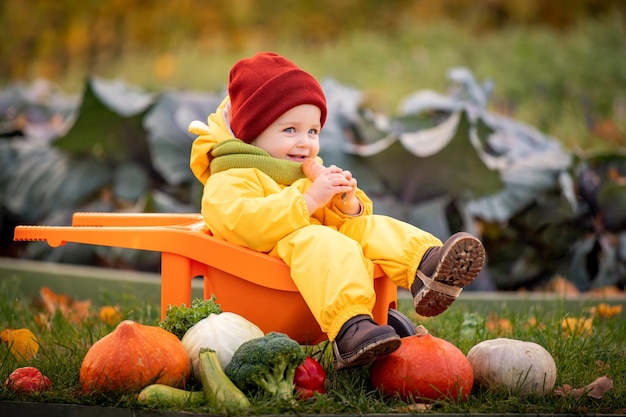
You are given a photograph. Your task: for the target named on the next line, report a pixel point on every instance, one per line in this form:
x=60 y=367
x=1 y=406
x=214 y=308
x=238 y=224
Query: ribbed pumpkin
x=133 y=356
x=424 y=368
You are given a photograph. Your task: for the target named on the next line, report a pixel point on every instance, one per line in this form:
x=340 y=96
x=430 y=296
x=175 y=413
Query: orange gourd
x=423 y=369
x=132 y=357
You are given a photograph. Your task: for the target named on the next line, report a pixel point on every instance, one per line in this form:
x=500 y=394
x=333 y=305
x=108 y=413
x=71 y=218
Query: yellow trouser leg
x=333 y=270
x=331 y=273
x=396 y=246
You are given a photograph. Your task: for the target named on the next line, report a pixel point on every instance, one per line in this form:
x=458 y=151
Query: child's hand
x=327 y=183
x=347 y=202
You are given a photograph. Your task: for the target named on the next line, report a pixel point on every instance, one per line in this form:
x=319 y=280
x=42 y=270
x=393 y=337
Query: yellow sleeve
x=330 y=215
x=246 y=207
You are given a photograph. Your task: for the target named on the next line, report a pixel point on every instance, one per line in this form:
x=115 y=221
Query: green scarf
x=235 y=153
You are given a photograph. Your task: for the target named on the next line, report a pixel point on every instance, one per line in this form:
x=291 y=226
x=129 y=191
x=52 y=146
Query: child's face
x=294 y=135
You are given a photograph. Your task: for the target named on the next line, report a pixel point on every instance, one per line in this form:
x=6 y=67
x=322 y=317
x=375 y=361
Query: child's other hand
x=347 y=202
x=330 y=182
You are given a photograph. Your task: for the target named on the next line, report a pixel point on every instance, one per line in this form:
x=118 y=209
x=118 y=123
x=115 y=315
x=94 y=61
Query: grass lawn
x=582 y=350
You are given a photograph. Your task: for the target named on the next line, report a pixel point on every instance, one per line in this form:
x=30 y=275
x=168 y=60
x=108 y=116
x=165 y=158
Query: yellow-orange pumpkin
x=424 y=368
x=133 y=356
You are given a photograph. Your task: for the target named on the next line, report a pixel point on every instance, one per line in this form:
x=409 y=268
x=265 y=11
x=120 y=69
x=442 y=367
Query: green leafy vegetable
x=178 y=319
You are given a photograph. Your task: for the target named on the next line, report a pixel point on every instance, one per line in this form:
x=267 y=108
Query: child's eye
x=312 y=131
x=290 y=130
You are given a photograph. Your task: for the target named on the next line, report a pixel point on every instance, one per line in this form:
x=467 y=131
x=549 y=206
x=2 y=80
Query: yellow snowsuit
x=331 y=255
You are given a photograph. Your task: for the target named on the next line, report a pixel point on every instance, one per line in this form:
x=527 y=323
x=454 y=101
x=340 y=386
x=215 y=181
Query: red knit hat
x=263 y=88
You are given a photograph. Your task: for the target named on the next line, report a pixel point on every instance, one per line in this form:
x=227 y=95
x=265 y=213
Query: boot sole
x=459 y=265
x=367 y=354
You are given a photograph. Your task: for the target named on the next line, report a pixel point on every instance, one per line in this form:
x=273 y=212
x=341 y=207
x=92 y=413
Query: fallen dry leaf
x=110 y=314
x=79 y=310
x=499 y=326
x=42 y=320
x=610 y=291
x=602 y=366
x=606 y=311
x=73 y=310
x=594 y=390
x=53 y=302
x=573 y=326
x=50 y=300
x=562 y=286
x=22 y=343
x=533 y=322
x=412 y=408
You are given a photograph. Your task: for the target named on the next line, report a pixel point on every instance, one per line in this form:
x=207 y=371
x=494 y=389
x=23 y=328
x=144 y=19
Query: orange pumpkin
x=424 y=369
x=133 y=356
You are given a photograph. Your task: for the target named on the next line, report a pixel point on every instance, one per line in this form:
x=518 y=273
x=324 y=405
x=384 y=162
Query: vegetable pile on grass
x=231 y=357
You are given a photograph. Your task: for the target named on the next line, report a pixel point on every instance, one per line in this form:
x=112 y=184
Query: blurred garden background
x=521 y=105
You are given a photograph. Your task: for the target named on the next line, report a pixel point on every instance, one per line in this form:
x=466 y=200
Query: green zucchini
x=164 y=395
x=219 y=390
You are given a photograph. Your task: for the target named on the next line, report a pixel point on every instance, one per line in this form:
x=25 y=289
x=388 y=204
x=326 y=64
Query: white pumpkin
x=519 y=366
x=223 y=333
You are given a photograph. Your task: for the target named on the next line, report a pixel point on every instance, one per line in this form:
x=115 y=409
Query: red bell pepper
x=309 y=378
x=28 y=379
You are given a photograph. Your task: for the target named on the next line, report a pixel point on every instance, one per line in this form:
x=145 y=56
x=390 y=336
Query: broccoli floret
x=179 y=319
x=266 y=365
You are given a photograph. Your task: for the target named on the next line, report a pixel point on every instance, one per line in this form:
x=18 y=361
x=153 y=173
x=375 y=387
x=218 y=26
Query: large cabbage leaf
x=46 y=179
x=430 y=163
x=108 y=124
x=412 y=157
x=170 y=142
x=528 y=162
x=36 y=110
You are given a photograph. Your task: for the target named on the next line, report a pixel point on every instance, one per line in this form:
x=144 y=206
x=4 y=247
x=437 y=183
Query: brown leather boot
x=444 y=271
x=361 y=340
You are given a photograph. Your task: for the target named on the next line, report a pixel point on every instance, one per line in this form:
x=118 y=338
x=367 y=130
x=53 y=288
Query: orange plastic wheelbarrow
x=252 y=284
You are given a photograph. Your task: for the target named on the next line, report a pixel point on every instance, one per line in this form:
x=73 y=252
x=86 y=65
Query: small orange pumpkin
x=424 y=368
x=133 y=356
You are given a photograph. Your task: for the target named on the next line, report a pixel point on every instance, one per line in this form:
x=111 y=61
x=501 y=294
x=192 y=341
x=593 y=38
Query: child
x=249 y=158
